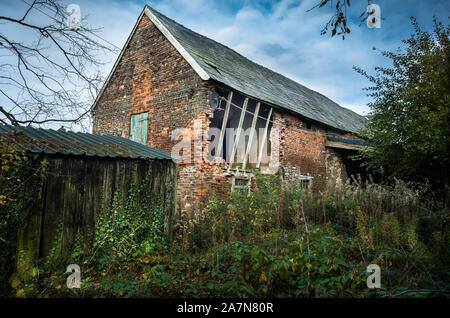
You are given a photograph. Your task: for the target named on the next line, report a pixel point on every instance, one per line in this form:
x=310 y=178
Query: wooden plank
x=241 y=120
x=263 y=141
x=224 y=126
x=252 y=133
x=342 y=145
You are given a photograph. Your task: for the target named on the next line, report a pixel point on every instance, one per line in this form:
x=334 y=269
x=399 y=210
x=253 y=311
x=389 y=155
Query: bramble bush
x=276 y=241
x=124 y=231
x=393 y=226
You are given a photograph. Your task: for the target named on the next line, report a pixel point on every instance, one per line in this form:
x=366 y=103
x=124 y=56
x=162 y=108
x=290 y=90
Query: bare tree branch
x=54 y=74
x=338 y=23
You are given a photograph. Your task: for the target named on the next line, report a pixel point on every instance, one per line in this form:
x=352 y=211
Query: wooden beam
x=252 y=133
x=263 y=141
x=224 y=125
x=342 y=145
x=241 y=121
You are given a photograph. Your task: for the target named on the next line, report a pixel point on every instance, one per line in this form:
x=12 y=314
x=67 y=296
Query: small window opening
x=241 y=181
x=305 y=182
x=139 y=127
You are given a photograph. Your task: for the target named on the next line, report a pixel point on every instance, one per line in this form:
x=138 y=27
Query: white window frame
x=306 y=182
x=241 y=176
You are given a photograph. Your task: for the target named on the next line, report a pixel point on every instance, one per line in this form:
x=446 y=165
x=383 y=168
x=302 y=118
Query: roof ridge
x=204 y=36
x=243 y=56
x=210 y=58
x=225 y=65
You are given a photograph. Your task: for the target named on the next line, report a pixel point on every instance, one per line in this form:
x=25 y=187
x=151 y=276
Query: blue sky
x=283 y=36
x=279 y=34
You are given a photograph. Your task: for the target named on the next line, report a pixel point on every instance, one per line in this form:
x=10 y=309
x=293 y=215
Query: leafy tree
x=409 y=129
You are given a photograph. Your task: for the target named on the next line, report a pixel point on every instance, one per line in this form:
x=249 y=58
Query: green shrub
x=20 y=175
x=275 y=241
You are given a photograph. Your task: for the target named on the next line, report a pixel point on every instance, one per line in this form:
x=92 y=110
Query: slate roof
x=226 y=66
x=49 y=141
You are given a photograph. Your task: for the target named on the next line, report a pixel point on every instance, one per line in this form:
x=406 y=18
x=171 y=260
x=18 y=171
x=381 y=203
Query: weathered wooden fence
x=75 y=189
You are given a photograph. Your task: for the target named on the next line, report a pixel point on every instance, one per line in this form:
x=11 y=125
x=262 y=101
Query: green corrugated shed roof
x=51 y=141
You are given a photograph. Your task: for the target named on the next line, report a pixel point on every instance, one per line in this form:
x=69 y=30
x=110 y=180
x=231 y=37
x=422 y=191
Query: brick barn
x=169 y=79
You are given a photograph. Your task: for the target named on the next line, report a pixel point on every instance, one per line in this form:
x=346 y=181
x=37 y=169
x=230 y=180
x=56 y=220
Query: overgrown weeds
x=276 y=241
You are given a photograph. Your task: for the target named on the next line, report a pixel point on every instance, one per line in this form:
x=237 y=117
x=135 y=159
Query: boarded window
x=139 y=127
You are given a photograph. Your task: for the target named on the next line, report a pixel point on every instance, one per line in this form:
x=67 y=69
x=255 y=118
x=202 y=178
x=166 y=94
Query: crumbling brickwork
x=302 y=149
x=336 y=172
x=153 y=77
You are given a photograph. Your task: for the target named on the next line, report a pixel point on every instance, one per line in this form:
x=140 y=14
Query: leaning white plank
x=250 y=138
x=224 y=125
x=263 y=141
x=238 y=135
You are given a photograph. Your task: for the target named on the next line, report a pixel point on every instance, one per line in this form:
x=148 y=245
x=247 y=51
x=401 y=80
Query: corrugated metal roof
x=234 y=70
x=49 y=141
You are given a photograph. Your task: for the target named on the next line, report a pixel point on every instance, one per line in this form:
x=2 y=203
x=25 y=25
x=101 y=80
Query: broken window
x=139 y=127
x=305 y=182
x=241 y=181
x=240 y=131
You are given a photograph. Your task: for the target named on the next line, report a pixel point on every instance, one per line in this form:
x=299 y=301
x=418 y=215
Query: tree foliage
x=409 y=129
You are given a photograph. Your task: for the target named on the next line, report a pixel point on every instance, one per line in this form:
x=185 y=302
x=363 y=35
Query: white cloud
x=360 y=109
x=280 y=35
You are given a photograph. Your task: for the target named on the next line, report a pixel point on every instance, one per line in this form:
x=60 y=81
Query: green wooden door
x=139 y=127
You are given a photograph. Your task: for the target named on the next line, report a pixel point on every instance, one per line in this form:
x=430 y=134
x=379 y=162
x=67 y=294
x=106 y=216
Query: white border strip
x=200 y=71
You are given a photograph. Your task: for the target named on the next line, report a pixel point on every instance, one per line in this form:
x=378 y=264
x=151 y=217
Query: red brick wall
x=302 y=149
x=151 y=76
x=199 y=181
